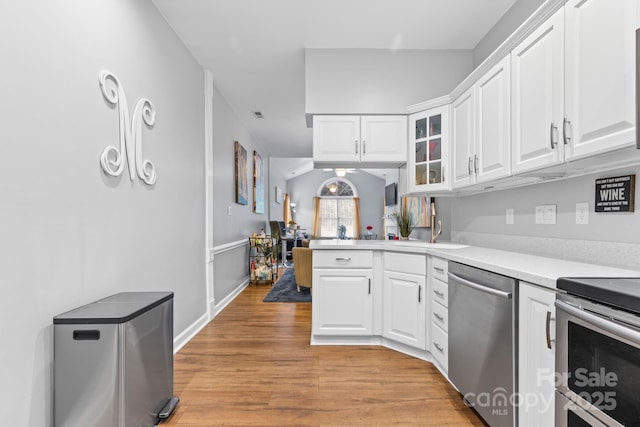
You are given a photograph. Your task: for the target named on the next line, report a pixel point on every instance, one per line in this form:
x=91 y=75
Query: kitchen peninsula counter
x=543 y=271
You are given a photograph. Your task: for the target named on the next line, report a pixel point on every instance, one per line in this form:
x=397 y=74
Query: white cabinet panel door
x=336 y=138
x=404 y=318
x=536 y=360
x=384 y=138
x=342 y=302
x=537 y=96
x=463 y=139
x=493 y=111
x=600 y=75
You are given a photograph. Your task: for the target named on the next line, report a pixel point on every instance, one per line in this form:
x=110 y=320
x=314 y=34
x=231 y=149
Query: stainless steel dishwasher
x=482 y=341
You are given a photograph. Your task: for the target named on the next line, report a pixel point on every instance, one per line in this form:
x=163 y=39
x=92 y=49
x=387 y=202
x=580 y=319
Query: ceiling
x=255 y=48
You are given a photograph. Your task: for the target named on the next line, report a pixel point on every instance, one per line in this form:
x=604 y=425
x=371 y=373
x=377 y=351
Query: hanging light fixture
x=332 y=186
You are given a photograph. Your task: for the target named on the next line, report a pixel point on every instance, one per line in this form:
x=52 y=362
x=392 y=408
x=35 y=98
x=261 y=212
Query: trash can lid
x=118 y=308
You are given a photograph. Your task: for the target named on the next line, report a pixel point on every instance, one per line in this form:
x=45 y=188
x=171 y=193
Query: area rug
x=285 y=290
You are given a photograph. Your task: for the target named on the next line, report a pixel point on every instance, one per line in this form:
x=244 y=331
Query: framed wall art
x=419 y=210
x=258 y=183
x=279 y=195
x=242 y=186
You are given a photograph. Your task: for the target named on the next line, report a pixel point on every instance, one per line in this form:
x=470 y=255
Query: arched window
x=337 y=206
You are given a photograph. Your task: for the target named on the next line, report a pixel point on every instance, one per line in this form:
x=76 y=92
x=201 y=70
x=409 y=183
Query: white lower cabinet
x=536 y=356
x=342 y=293
x=342 y=302
x=438 y=322
x=405 y=308
x=404 y=303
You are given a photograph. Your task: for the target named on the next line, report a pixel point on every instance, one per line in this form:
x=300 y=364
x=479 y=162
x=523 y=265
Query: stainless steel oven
x=598 y=352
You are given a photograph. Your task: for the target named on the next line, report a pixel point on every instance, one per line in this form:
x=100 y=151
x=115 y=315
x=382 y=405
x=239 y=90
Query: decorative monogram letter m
x=113 y=158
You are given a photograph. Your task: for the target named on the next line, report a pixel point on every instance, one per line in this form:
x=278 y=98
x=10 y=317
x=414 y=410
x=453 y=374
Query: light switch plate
x=582 y=213
x=509 y=216
x=546 y=214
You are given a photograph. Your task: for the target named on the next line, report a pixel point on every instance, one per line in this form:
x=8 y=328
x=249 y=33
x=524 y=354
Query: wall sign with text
x=615 y=194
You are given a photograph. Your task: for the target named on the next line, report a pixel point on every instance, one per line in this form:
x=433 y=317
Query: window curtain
x=356 y=217
x=316 y=217
x=287 y=210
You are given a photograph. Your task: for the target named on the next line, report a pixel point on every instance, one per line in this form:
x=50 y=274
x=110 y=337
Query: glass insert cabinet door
x=427 y=157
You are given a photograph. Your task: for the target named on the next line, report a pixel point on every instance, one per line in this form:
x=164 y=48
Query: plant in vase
x=404 y=221
x=342 y=232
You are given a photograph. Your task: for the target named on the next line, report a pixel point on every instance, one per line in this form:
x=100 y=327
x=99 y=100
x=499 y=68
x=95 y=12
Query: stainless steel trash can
x=113 y=362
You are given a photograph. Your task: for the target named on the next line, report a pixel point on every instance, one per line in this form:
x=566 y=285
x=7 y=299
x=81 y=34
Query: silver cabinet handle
x=364 y=146
x=553 y=135
x=479 y=287
x=343 y=259
x=437 y=316
x=356 y=146
x=548 y=328
x=440 y=349
x=475 y=164
x=469 y=165
x=420 y=293
x=438 y=269
x=437 y=292
x=566 y=136
x=369 y=286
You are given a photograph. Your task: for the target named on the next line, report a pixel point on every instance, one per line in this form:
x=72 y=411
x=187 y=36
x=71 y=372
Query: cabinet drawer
x=440 y=292
x=405 y=263
x=440 y=316
x=439 y=269
x=342 y=259
x=440 y=346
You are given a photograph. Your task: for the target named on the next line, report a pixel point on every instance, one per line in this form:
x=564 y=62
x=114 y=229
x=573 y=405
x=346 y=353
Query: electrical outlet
x=229 y=210
x=582 y=213
x=546 y=214
x=509 y=216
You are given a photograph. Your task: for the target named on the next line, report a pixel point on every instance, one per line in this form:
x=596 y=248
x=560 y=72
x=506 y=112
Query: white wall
x=231 y=268
x=68 y=234
x=515 y=16
x=304 y=188
x=379 y=81
x=227 y=128
x=609 y=238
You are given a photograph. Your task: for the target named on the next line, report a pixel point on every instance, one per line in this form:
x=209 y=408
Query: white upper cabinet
x=574 y=85
x=336 y=138
x=537 y=96
x=384 y=139
x=481 y=125
x=360 y=140
x=600 y=75
x=493 y=134
x=427 y=166
x=463 y=136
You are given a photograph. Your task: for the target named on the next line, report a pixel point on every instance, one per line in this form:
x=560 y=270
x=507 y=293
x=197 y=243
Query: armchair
x=303 y=267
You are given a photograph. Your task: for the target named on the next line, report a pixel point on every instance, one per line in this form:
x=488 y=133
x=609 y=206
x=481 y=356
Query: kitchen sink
x=422 y=244
x=446 y=245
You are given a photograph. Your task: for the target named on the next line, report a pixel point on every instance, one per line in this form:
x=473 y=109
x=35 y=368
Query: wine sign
x=615 y=194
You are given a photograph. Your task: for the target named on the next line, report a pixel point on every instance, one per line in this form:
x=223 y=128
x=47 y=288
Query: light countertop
x=543 y=271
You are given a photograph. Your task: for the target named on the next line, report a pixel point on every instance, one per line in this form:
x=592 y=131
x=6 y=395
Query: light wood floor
x=253 y=365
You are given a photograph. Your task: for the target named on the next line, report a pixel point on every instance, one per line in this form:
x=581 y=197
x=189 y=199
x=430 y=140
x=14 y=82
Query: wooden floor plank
x=253 y=366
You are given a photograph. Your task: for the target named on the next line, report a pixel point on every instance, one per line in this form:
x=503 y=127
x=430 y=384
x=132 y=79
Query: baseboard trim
x=191 y=331
x=225 y=302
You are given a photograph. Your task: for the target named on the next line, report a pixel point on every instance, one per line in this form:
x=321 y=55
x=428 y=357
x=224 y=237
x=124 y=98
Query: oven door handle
x=604 y=324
